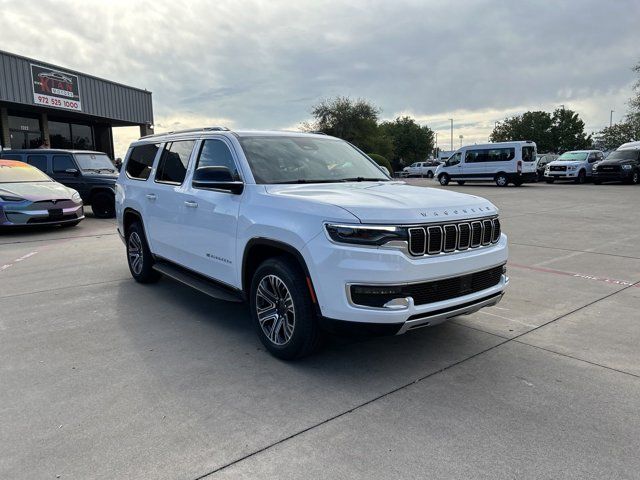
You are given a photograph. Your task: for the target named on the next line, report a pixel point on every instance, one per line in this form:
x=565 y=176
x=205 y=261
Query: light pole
x=436 y=149
x=451 y=120
x=611 y=118
x=460 y=137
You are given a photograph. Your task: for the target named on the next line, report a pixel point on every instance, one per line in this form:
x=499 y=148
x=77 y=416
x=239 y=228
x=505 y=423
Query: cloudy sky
x=263 y=64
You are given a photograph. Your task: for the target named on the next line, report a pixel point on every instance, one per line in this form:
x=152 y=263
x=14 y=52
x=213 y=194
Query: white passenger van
x=503 y=163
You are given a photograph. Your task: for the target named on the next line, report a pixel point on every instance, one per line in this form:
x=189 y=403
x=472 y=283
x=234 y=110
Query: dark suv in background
x=92 y=174
x=623 y=165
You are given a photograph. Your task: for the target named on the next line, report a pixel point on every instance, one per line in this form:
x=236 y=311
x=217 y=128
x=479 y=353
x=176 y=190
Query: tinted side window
x=62 y=162
x=528 y=154
x=174 y=161
x=38 y=161
x=215 y=153
x=490 y=155
x=141 y=160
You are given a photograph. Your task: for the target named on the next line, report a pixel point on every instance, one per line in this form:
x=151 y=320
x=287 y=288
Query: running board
x=198 y=282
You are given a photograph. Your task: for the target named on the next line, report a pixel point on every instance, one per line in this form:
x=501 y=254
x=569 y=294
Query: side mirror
x=217 y=178
x=72 y=171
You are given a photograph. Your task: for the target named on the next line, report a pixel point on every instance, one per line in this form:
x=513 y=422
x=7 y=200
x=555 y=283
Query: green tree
x=355 y=121
x=568 y=131
x=610 y=138
x=634 y=103
x=536 y=126
x=382 y=161
x=558 y=132
x=411 y=142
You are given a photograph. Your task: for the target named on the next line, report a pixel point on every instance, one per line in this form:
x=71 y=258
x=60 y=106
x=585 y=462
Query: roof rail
x=189 y=130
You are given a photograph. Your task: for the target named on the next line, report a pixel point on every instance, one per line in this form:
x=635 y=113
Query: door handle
x=151 y=196
x=191 y=204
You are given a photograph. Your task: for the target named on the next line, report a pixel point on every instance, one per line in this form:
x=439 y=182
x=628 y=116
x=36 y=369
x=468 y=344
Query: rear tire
x=282 y=311
x=139 y=257
x=443 y=179
x=460 y=182
x=501 y=180
x=103 y=205
x=429 y=174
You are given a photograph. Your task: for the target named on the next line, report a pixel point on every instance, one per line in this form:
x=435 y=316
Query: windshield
x=297 y=159
x=18 y=172
x=573 y=156
x=623 y=155
x=94 y=161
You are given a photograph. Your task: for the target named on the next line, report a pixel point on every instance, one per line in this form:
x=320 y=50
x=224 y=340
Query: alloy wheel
x=134 y=251
x=275 y=309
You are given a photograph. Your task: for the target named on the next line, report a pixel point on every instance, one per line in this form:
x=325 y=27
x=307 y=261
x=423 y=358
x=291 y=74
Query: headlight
x=571 y=167
x=76 y=197
x=374 y=235
x=10 y=198
x=627 y=167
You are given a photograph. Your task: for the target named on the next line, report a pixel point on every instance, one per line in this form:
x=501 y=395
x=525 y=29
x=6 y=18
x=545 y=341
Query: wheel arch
x=129 y=216
x=99 y=189
x=259 y=249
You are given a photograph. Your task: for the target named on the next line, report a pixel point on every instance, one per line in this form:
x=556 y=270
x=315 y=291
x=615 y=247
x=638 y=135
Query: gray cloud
x=262 y=64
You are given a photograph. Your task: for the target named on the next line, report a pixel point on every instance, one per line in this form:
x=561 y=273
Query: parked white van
x=503 y=162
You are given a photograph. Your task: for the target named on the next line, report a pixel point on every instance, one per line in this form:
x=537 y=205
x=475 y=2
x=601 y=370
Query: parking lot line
x=583 y=276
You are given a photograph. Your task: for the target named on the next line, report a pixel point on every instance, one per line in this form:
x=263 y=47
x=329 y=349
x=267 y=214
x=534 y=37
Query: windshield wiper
x=363 y=179
x=304 y=180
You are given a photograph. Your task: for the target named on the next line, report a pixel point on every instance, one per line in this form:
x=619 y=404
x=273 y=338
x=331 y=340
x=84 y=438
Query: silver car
x=29 y=197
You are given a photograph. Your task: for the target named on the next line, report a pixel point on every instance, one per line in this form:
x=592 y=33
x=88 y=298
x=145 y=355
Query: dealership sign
x=54 y=88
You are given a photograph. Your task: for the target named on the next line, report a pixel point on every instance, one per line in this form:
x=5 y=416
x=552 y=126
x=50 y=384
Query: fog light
x=398 y=304
x=371 y=290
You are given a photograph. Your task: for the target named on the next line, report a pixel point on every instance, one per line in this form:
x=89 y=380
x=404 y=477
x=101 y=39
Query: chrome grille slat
x=451 y=237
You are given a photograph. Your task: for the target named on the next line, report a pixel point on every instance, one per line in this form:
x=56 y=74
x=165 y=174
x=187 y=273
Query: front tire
x=501 y=180
x=139 y=257
x=443 y=179
x=282 y=311
x=582 y=177
x=103 y=205
x=635 y=178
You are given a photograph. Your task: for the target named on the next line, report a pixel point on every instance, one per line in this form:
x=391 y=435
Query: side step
x=198 y=282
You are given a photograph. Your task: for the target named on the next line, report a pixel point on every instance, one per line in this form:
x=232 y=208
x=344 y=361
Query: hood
x=37 y=191
x=390 y=202
x=567 y=163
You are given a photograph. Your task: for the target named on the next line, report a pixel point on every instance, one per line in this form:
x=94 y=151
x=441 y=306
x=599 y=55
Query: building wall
x=100 y=98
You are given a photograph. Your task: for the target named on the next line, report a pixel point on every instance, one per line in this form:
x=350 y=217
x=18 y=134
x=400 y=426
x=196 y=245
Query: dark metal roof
x=100 y=98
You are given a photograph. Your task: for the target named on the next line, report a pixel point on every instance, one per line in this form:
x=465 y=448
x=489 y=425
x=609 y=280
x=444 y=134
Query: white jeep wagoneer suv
x=309 y=230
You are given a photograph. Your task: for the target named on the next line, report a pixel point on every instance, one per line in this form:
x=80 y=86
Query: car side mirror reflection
x=217 y=178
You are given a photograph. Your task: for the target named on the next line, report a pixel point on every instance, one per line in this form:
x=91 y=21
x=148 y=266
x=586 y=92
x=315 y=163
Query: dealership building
x=51 y=106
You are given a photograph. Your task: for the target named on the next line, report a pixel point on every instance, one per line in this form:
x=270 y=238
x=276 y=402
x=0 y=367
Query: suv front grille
x=558 y=168
x=449 y=237
x=428 y=292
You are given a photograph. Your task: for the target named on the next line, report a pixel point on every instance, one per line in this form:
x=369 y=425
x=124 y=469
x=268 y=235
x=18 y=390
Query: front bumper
x=13 y=216
x=334 y=268
x=560 y=175
x=619 y=176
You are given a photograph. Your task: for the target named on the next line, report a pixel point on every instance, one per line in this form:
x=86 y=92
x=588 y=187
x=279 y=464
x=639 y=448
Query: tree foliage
x=402 y=140
x=411 y=142
x=610 y=138
x=558 y=132
x=382 y=161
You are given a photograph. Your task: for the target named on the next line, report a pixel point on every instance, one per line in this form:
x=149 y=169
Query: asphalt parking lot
x=101 y=377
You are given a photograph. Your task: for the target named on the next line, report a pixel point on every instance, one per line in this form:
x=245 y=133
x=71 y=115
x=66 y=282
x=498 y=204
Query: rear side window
x=61 y=163
x=528 y=154
x=490 y=155
x=215 y=153
x=141 y=160
x=38 y=161
x=174 y=161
